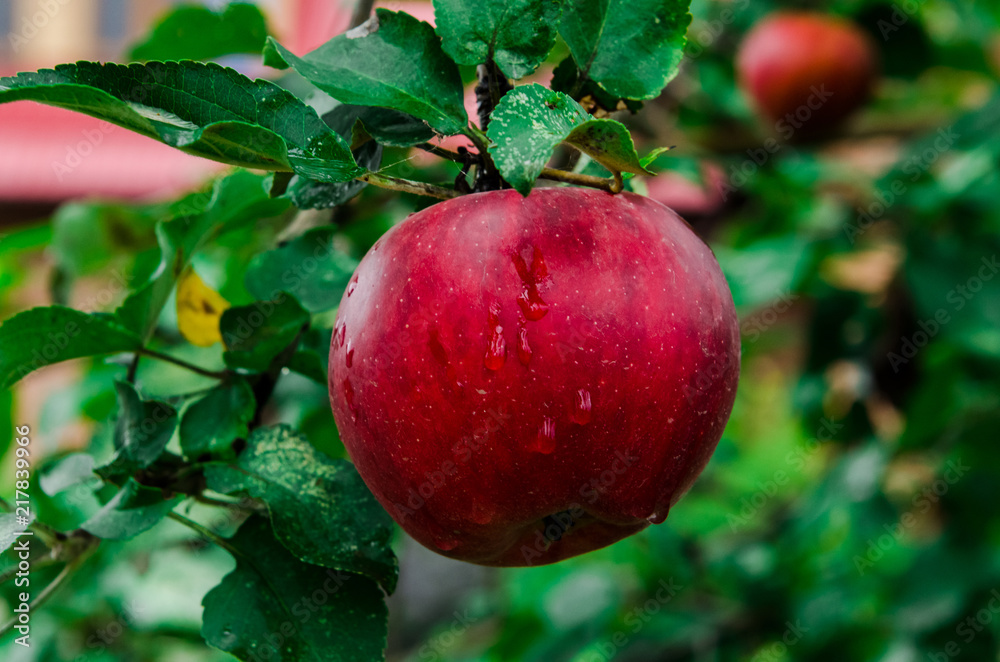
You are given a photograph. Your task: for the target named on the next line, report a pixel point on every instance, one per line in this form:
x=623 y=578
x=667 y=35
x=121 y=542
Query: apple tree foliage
x=850 y=511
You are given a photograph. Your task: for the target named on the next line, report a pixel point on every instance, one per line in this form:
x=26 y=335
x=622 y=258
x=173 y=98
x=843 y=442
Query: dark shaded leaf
x=320 y=508
x=43 y=336
x=308 y=267
x=135 y=509
x=393 y=61
x=267 y=607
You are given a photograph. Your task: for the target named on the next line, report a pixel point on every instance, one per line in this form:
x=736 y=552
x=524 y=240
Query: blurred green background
x=852 y=509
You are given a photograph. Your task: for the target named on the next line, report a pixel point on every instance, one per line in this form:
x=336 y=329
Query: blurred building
x=48 y=155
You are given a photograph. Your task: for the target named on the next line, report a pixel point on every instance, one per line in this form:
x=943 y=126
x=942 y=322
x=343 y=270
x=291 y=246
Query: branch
x=205 y=533
x=443 y=153
x=153 y=354
x=408 y=186
x=614 y=185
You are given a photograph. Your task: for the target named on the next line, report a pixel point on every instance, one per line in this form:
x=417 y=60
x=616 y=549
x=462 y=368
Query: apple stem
x=408 y=186
x=612 y=185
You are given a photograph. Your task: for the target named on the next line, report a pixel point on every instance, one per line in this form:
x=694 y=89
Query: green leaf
x=204 y=109
x=215 y=421
x=531 y=120
x=43 y=336
x=10 y=529
x=143 y=429
x=268 y=609
x=516 y=34
x=86 y=235
x=310 y=267
x=631 y=48
x=313 y=356
x=320 y=508
x=566 y=78
x=310 y=194
x=193 y=32
x=66 y=472
x=391 y=127
x=235 y=200
x=393 y=61
x=135 y=509
x=255 y=335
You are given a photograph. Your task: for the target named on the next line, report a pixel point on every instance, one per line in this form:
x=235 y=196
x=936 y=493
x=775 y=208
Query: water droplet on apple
x=539 y=271
x=581 y=407
x=523 y=348
x=545 y=440
x=659 y=516
x=446 y=544
x=353 y=285
x=349 y=358
x=531 y=303
x=496 y=349
x=349 y=396
x=340 y=333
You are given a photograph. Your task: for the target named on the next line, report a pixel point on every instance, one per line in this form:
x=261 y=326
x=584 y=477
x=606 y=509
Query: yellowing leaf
x=199 y=309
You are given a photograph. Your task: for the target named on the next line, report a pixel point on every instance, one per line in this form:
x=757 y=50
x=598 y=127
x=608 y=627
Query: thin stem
x=153 y=354
x=443 y=153
x=5 y=505
x=204 y=532
x=133 y=367
x=482 y=143
x=614 y=185
x=408 y=186
x=64 y=575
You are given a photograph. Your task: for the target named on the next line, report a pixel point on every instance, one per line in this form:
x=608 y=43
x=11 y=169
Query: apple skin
x=789 y=54
x=486 y=453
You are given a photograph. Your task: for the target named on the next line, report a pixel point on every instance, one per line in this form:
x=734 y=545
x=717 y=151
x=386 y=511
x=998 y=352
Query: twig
x=443 y=153
x=204 y=532
x=614 y=185
x=153 y=354
x=408 y=186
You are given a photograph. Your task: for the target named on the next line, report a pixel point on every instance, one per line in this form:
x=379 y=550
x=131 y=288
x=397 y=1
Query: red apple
x=806 y=71
x=521 y=380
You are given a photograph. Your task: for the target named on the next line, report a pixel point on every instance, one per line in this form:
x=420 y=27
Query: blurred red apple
x=521 y=380
x=806 y=71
